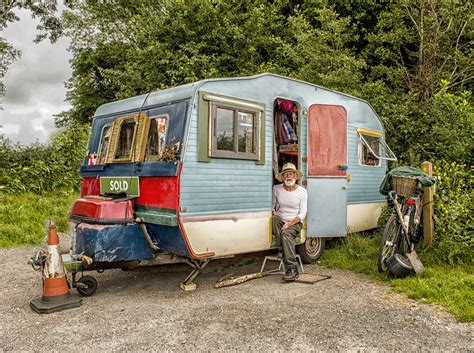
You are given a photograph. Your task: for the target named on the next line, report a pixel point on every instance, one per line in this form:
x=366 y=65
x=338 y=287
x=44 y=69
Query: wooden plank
x=234 y=281
x=428 y=209
x=310 y=278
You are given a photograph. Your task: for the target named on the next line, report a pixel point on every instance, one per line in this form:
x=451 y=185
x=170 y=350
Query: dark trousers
x=286 y=237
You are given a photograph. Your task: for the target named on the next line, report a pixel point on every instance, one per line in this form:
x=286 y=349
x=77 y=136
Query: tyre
x=87 y=286
x=399 y=266
x=390 y=242
x=311 y=249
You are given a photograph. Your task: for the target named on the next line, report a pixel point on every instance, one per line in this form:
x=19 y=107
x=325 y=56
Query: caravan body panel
x=202 y=207
x=224 y=190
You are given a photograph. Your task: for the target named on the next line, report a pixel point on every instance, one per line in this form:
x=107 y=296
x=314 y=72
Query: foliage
x=442 y=131
x=454 y=214
x=42 y=168
x=449 y=128
x=410 y=59
x=23 y=216
x=138 y=47
x=449 y=286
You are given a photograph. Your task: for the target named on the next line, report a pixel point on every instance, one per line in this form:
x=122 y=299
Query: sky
x=34 y=84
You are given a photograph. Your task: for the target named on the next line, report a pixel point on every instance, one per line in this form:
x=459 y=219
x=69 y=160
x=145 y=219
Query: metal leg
x=263 y=265
x=197 y=266
x=281 y=266
x=274 y=258
x=298 y=259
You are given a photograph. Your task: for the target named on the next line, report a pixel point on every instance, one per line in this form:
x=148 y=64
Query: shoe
x=290 y=275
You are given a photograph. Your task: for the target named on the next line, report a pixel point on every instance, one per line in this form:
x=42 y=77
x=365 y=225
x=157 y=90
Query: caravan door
x=326 y=171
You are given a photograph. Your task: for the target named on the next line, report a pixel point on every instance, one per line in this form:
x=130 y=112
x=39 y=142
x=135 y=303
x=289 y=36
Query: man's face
x=289 y=178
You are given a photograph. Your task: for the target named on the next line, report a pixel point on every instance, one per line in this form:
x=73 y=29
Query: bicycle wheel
x=390 y=242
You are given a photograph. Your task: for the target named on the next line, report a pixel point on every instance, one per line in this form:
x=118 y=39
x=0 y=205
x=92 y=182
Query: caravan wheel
x=311 y=249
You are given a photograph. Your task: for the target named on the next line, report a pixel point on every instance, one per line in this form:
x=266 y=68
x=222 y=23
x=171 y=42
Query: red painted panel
x=159 y=192
x=162 y=192
x=327 y=140
x=90 y=186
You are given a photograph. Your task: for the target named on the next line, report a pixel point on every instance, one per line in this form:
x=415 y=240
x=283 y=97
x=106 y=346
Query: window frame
x=117 y=141
x=137 y=148
x=362 y=143
x=235 y=154
x=101 y=141
x=146 y=135
x=205 y=124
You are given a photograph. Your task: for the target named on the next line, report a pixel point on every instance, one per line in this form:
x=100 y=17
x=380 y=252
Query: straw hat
x=289 y=167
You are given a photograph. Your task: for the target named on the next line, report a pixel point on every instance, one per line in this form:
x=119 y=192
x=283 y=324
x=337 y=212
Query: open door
x=285 y=135
x=326 y=172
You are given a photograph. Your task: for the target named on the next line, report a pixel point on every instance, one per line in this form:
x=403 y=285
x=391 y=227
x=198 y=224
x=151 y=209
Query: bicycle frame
x=398 y=209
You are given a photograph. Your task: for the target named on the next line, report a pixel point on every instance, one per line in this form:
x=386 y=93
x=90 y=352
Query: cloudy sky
x=34 y=84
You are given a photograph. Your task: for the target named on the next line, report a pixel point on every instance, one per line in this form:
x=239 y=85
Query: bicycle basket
x=403 y=185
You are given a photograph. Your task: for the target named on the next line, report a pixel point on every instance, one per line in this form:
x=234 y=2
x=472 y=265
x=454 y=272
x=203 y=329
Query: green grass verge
x=23 y=217
x=450 y=286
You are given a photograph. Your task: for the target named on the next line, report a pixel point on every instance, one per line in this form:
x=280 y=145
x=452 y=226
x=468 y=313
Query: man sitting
x=289 y=207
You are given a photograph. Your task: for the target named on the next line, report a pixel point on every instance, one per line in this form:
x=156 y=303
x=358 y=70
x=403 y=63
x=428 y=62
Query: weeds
x=23 y=217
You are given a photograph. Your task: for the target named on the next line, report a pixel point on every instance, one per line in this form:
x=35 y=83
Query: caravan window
x=125 y=142
x=373 y=149
x=230 y=127
x=234 y=132
x=224 y=129
x=246 y=127
x=104 y=144
x=156 y=140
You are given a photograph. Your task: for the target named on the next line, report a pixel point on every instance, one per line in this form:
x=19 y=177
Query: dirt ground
x=145 y=309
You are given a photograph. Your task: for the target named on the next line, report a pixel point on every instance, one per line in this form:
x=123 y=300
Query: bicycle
x=402 y=230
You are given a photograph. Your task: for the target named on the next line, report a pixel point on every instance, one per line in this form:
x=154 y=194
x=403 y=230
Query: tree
x=49 y=27
x=394 y=54
x=136 y=47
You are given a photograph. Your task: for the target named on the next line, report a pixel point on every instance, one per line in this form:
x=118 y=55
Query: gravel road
x=144 y=309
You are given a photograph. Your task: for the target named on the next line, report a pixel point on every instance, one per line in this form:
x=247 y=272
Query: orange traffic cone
x=56 y=295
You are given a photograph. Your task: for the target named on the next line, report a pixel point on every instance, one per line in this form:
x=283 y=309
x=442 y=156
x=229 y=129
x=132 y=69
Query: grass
x=450 y=286
x=23 y=217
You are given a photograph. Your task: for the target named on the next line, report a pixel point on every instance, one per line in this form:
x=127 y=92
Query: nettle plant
x=454 y=213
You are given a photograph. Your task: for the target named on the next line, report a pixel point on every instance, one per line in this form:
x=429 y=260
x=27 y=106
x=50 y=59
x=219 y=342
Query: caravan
x=188 y=171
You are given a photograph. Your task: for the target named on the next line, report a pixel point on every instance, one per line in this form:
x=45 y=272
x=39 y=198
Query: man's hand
x=288 y=224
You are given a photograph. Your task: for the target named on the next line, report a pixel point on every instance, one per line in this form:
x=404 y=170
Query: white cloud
x=34 y=83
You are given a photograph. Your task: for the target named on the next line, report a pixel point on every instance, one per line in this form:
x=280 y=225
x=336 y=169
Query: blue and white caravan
x=201 y=161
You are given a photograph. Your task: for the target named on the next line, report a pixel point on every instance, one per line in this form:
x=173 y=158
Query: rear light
x=410 y=202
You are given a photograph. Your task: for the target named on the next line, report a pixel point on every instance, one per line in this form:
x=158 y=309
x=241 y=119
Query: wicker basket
x=403 y=185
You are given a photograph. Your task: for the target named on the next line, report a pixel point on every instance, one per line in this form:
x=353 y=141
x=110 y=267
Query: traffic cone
x=56 y=295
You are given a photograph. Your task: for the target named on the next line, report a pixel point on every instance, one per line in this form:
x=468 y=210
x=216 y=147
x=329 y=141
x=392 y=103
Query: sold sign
x=117 y=185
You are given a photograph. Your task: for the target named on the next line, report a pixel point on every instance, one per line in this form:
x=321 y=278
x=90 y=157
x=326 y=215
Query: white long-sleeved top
x=290 y=204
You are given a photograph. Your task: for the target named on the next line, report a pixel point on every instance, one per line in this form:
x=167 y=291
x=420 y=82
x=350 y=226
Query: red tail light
x=410 y=202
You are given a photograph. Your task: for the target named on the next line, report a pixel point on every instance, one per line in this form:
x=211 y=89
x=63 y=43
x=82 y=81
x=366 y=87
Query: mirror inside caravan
x=285 y=134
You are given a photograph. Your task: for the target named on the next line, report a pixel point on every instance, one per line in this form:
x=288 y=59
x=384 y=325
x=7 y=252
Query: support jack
x=198 y=267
